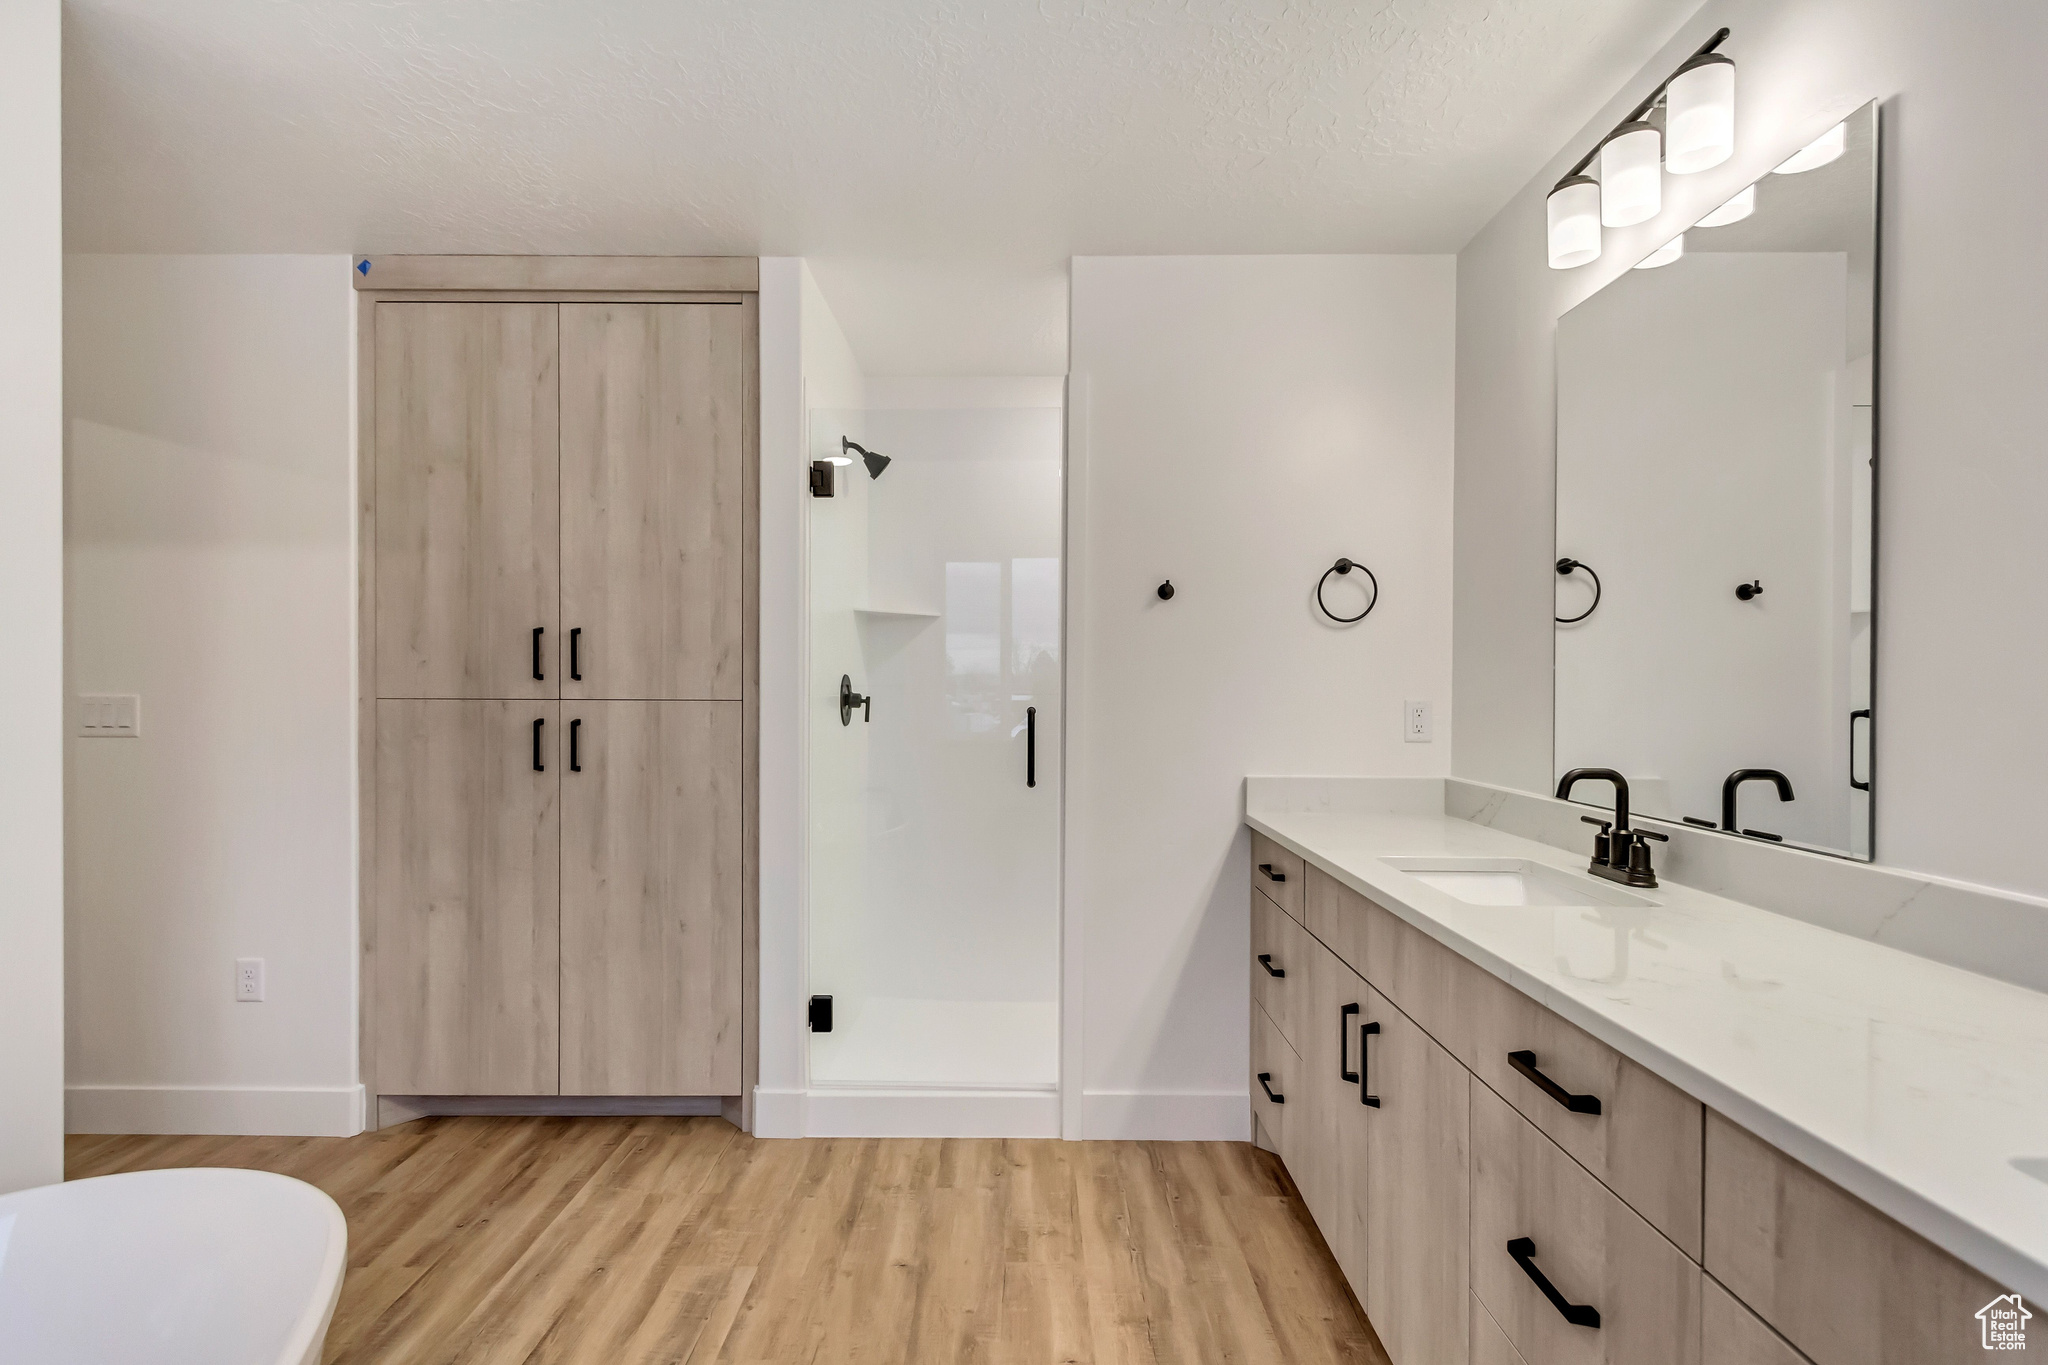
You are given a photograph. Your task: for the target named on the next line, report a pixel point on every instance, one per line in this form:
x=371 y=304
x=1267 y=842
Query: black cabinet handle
x=1264 y=1077
x=1370 y=1101
x=1523 y=1249
x=1344 y=1070
x=1030 y=746
x=575 y=763
x=1861 y=713
x=1266 y=961
x=575 y=666
x=538 y=676
x=538 y=766
x=1271 y=875
x=1525 y=1062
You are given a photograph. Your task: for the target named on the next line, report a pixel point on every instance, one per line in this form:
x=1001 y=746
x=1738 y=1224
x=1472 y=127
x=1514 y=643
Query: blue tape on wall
x=363 y=268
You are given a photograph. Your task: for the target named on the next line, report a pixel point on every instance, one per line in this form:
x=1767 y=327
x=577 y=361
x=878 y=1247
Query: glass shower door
x=936 y=595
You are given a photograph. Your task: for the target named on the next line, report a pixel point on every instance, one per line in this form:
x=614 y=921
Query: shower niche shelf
x=891 y=613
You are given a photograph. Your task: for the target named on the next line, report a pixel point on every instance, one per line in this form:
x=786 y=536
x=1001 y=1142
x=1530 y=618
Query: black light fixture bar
x=1636 y=114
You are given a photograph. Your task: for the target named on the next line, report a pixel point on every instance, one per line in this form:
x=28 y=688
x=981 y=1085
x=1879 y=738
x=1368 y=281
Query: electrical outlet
x=1415 y=723
x=249 y=979
x=109 y=715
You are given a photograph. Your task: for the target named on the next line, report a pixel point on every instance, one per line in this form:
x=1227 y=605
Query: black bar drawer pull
x=1523 y=1249
x=1366 y=1031
x=1264 y=1077
x=538 y=676
x=1030 y=746
x=538 y=766
x=575 y=664
x=575 y=763
x=1266 y=961
x=1525 y=1062
x=1271 y=875
x=1344 y=1070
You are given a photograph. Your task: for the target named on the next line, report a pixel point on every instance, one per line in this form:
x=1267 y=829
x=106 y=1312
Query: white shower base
x=940 y=1044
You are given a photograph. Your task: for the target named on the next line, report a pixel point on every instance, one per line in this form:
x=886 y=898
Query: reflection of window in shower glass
x=1034 y=626
x=974 y=646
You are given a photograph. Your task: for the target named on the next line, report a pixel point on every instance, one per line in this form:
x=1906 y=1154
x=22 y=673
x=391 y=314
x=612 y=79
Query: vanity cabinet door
x=1330 y=1168
x=1418 y=1250
x=1732 y=1335
x=1590 y=1248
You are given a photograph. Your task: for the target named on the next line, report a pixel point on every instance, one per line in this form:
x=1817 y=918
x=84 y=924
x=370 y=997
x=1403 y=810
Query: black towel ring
x=1345 y=566
x=1564 y=568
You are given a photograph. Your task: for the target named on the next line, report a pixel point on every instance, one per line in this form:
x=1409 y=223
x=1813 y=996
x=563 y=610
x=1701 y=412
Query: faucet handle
x=1605 y=825
x=1653 y=834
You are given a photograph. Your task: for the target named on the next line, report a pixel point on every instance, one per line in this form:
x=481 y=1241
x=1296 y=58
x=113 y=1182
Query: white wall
x=211 y=570
x=1237 y=424
x=1962 y=741
x=32 y=605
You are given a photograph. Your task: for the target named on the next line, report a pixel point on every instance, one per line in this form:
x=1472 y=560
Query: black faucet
x=1622 y=855
x=1740 y=776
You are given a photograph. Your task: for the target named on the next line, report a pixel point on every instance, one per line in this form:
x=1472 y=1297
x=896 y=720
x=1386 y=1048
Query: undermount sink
x=1510 y=881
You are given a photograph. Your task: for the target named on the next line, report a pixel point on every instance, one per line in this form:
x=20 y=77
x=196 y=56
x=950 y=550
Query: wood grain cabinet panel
x=653 y=481
x=1644 y=1144
x=467 y=479
x=1732 y=1335
x=1278 y=1097
x=1279 y=982
x=1490 y=1345
x=1594 y=1250
x=464 y=945
x=1278 y=873
x=1329 y=1140
x=1841 y=1281
x=651 y=866
x=1341 y=919
x=1418 y=1248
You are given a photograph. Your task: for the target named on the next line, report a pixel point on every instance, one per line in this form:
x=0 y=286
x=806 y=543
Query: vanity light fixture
x=1574 y=222
x=1734 y=211
x=1699 y=115
x=1630 y=189
x=1829 y=146
x=1631 y=176
x=1663 y=255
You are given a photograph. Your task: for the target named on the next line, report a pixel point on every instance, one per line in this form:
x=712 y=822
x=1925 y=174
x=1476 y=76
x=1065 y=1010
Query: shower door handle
x=1030 y=746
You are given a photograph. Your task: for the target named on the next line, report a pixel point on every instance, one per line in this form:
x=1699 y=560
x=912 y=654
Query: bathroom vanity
x=1544 y=1118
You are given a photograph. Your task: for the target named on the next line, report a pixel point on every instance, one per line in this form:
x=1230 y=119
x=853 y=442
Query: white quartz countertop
x=1919 y=1087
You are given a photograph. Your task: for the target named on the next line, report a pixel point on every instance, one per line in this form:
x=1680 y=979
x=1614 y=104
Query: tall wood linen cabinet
x=558 y=671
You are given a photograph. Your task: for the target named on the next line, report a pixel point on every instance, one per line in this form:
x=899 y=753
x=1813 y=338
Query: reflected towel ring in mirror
x=1345 y=566
x=1564 y=569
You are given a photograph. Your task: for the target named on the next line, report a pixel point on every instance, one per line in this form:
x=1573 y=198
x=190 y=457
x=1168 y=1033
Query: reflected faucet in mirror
x=1733 y=784
x=1620 y=854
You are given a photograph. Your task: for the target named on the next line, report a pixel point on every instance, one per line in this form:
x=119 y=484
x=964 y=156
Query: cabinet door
x=1418 y=1254
x=651 y=864
x=653 y=499
x=1331 y=1141
x=465 y=932
x=467 y=480
x=1732 y=1335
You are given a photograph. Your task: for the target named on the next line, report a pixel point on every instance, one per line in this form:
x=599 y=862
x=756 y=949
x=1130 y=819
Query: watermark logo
x=2005 y=1323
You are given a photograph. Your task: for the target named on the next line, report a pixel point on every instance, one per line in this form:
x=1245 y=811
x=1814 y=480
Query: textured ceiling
x=938 y=161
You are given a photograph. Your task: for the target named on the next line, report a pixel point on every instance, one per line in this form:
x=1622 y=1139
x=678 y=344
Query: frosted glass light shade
x=1699 y=115
x=1734 y=211
x=1663 y=255
x=1827 y=147
x=1631 y=176
x=1574 y=222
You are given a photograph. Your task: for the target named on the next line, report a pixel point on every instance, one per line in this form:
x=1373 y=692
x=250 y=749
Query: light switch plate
x=109 y=715
x=1416 y=726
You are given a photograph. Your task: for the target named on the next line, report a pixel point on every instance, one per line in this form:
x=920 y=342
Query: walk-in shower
x=935 y=648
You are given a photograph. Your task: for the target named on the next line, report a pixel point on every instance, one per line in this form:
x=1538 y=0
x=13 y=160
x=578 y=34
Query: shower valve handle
x=849 y=699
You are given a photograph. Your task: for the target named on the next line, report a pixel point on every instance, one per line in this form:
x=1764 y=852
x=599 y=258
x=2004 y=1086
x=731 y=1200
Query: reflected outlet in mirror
x=1510 y=881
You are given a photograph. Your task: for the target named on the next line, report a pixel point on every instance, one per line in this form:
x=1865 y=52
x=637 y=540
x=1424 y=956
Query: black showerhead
x=875 y=463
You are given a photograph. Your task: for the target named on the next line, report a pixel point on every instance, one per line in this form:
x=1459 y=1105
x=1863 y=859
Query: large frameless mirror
x=1716 y=463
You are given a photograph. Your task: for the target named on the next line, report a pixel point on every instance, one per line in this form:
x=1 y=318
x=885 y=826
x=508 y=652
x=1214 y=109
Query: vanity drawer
x=1594 y=1250
x=1644 y=1143
x=1280 y=950
x=1732 y=1335
x=1274 y=1060
x=1839 y=1280
x=1277 y=872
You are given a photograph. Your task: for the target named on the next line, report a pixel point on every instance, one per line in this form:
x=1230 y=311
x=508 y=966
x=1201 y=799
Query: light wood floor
x=619 y=1241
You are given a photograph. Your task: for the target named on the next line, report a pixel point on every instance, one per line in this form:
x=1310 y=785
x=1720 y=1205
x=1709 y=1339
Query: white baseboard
x=930 y=1113
x=1166 y=1115
x=780 y=1113
x=310 y=1111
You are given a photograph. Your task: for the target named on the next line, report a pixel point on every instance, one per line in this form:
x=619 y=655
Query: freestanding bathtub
x=179 y=1267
